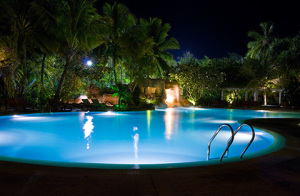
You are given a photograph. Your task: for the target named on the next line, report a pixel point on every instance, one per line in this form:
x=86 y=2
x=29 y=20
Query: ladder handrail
x=230 y=140
x=253 y=136
x=228 y=144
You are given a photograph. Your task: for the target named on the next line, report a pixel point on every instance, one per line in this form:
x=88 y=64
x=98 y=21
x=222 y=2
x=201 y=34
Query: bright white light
x=89 y=63
x=88 y=127
x=109 y=113
x=242 y=138
x=170 y=97
x=88 y=130
x=195 y=108
x=222 y=121
x=135 y=144
x=83 y=97
x=32 y=118
x=259 y=133
x=261 y=111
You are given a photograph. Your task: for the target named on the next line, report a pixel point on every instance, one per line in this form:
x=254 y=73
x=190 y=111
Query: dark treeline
x=45 y=46
x=270 y=63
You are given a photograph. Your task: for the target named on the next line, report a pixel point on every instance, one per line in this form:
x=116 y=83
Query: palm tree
x=122 y=21
x=137 y=46
x=155 y=29
x=262 y=73
x=18 y=19
x=76 y=26
x=44 y=41
x=259 y=47
x=286 y=57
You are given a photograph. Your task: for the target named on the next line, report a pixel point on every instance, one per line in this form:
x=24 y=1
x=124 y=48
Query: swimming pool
x=162 y=138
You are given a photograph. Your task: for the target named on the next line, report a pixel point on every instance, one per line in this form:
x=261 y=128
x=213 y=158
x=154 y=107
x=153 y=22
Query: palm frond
x=171 y=44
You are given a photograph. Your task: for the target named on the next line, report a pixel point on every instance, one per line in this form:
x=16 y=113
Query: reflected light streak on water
x=135 y=145
x=169 y=123
x=88 y=130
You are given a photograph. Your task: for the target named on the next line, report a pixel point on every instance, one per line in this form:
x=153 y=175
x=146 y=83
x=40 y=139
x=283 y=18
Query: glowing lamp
x=89 y=63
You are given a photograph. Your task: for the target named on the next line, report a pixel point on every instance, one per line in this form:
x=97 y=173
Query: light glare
x=89 y=63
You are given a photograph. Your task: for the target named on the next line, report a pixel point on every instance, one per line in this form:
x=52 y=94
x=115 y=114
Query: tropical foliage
x=260 y=46
x=270 y=63
x=199 y=79
x=286 y=58
x=45 y=46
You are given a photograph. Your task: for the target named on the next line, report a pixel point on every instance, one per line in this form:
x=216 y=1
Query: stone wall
x=157 y=88
x=153 y=86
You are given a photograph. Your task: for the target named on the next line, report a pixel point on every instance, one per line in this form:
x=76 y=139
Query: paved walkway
x=277 y=173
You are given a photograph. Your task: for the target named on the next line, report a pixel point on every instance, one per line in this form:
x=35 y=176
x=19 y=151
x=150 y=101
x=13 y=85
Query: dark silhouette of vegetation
x=44 y=46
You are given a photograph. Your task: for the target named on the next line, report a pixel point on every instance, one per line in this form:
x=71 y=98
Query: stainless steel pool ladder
x=230 y=140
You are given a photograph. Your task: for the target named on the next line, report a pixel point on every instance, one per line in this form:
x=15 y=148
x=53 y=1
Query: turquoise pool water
x=145 y=139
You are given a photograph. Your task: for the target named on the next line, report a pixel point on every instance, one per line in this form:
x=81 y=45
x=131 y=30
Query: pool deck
x=277 y=173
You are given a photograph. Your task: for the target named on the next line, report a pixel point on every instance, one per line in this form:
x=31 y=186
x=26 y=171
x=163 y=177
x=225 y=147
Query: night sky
x=216 y=28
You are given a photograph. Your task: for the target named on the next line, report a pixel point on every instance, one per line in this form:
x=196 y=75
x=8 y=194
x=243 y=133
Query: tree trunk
x=24 y=72
x=114 y=67
x=131 y=86
x=265 y=96
x=116 y=80
x=61 y=81
x=119 y=101
x=121 y=79
x=3 y=88
x=42 y=72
